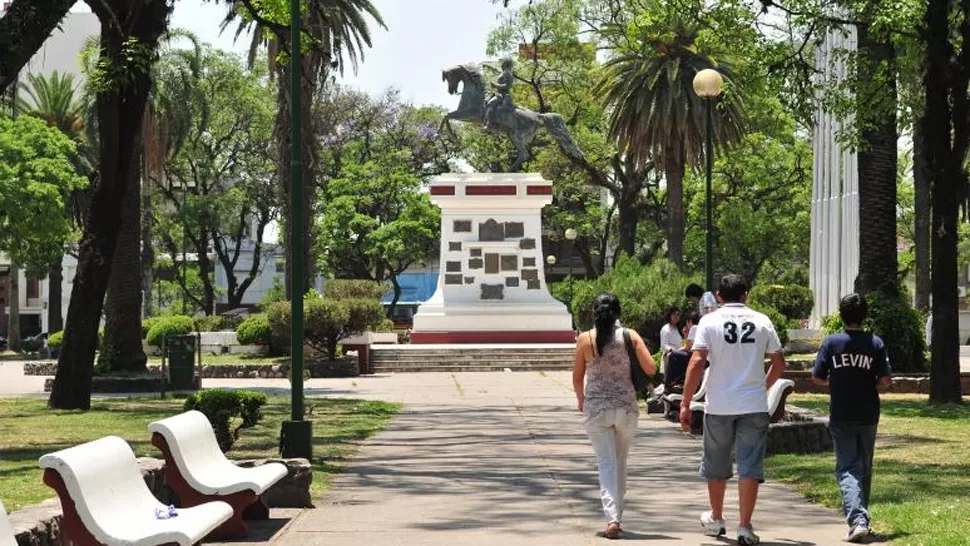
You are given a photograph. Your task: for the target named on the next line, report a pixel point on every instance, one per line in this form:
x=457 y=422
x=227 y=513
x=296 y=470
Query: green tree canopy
x=35 y=174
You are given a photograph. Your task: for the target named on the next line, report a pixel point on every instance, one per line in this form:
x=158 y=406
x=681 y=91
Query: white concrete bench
x=777 y=395
x=105 y=500
x=198 y=472
x=6 y=532
x=698 y=395
x=671 y=401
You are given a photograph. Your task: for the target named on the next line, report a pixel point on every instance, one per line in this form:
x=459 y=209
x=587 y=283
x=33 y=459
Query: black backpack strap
x=631 y=351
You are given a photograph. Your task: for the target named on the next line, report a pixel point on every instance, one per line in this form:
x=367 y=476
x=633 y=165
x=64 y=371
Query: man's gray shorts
x=746 y=433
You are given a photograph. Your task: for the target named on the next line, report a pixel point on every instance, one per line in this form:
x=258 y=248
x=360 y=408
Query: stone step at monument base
x=471 y=358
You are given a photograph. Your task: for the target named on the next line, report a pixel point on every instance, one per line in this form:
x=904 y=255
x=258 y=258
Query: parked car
x=35 y=344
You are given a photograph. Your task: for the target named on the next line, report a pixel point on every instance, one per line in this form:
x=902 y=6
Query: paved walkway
x=501 y=459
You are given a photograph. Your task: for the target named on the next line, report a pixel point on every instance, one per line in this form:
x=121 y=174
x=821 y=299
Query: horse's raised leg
x=523 y=155
x=446 y=127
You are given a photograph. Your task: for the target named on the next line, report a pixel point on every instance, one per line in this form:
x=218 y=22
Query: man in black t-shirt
x=853 y=364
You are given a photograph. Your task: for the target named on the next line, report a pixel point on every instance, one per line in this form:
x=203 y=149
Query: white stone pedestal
x=492 y=286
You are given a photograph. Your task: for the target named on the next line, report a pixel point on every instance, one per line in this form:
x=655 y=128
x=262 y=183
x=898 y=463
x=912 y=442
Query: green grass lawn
x=28 y=430
x=921 y=483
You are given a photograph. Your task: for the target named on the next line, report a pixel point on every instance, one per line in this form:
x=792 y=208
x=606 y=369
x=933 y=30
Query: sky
x=423 y=37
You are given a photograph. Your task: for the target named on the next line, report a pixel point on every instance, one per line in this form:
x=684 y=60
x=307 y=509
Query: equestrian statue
x=499 y=115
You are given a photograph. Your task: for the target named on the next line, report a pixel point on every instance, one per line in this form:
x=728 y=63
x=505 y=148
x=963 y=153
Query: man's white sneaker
x=857 y=534
x=712 y=527
x=746 y=537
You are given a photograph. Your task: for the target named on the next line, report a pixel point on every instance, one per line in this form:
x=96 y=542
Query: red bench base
x=246 y=505
x=72 y=528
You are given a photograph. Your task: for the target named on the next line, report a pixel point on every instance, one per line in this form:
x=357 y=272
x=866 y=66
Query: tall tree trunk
x=947 y=181
x=122 y=349
x=119 y=106
x=147 y=250
x=13 y=329
x=674 y=174
x=23 y=31
x=878 y=268
x=397 y=295
x=629 y=218
x=945 y=358
x=921 y=183
x=205 y=273
x=308 y=91
x=55 y=278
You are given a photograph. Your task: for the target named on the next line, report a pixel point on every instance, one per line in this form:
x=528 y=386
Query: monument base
x=492 y=287
x=492 y=337
x=509 y=323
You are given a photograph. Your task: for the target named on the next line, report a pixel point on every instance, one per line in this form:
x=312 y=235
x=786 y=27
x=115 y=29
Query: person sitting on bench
x=677 y=361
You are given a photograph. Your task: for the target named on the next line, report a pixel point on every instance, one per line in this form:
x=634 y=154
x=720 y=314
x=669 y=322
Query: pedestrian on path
x=853 y=364
x=608 y=401
x=735 y=340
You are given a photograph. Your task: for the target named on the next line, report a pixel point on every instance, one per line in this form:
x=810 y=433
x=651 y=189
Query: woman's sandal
x=612 y=531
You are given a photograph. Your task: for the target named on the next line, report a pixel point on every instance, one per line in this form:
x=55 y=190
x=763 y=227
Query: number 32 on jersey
x=731 y=331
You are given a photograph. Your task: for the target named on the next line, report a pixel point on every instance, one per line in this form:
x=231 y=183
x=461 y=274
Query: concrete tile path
x=502 y=459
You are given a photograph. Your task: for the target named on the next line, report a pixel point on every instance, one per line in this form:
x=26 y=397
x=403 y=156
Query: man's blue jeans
x=854 y=445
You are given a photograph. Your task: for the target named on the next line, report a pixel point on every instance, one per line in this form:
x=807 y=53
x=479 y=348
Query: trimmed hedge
x=645 y=293
x=255 y=330
x=795 y=302
x=222 y=407
x=147 y=324
x=346 y=308
x=169 y=326
x=55 y=340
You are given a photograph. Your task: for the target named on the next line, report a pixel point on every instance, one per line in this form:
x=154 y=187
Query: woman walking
x=608 y=401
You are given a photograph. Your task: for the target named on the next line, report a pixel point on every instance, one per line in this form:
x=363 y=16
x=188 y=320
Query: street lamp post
x=707 y=85
x=571 y=238
x=296 y=436
x=185 y=189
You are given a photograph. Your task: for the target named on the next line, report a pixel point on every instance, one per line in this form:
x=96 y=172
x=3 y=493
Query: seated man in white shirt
x=705 y=301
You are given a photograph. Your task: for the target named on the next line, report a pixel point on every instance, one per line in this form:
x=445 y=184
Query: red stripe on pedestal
x=489 y=190
x=538 y=190
x=442 y=190
x=528 y=336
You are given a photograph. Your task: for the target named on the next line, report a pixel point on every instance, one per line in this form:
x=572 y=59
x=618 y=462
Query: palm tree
x=167 y=120
x=55 y=100
x=338 y=31
x=655 y=116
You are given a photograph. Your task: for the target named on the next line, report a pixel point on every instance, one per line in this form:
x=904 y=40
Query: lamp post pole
x=709 y=156
x=571 y=238
x=185 y=263
x=296 y=436
x=707 y=85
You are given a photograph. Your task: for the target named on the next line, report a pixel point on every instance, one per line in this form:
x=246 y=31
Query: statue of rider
x=501 y=102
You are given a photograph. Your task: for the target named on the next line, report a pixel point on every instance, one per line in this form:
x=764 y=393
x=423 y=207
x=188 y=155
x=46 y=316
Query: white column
x=834 y=258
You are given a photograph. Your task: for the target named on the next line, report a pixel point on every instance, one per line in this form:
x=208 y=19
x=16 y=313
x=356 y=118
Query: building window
x=33 y=288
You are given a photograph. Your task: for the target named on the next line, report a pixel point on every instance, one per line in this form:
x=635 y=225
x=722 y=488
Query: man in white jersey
x=735 y=339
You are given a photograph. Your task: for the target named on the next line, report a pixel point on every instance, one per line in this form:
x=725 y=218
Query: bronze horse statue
x=518 y=124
